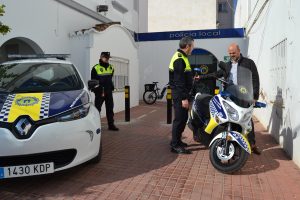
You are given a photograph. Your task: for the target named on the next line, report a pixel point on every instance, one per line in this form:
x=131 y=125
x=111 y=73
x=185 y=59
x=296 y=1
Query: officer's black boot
x=113 y=128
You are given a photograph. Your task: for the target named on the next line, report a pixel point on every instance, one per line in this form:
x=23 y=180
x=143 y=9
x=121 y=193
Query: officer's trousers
x=109 y=105
x=179 y=122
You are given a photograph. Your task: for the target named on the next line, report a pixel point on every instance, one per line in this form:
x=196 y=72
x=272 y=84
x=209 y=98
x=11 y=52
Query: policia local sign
x=196 y=34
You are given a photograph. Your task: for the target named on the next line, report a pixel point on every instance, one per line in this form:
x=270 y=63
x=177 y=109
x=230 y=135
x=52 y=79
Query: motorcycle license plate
x=26 y=170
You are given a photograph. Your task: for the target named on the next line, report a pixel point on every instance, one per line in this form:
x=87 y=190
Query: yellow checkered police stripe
x=26 y=104
x=44 y=112
x=6 y=108
x=35 y=105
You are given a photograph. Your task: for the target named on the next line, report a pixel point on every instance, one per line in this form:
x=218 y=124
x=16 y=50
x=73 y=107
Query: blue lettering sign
x=197 y=34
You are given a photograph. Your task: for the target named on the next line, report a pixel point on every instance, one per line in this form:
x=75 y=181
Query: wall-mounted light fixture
x=102 y=8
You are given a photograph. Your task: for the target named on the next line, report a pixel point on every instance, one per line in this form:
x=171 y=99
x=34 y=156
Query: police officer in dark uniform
x=104 y=73
x=180 y=75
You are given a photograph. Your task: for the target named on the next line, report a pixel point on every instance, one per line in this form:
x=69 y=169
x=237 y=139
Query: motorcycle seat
x=202 y=105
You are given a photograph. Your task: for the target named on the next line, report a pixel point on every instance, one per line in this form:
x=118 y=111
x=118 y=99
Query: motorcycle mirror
x=222 y=65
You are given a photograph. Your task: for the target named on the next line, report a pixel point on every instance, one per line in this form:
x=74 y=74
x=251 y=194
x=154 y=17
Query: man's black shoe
x=183 y=144
x=196 y=138
x=180 y=144
x=113 y=128
x=180 y=150
x=255 y=149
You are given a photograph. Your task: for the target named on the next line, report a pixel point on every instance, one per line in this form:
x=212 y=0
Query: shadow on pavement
x=128 y=155
x=269 y=160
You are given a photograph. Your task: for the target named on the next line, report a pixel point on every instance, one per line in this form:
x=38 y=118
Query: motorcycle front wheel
x=232 y=162
x=149 y=97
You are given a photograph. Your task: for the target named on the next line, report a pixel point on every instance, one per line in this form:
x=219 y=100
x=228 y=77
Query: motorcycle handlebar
x=260 y=104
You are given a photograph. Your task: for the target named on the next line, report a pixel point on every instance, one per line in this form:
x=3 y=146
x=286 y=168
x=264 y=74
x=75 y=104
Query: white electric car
x=47 y=120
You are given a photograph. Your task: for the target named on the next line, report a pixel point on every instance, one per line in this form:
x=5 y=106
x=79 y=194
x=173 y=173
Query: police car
x=47 y=120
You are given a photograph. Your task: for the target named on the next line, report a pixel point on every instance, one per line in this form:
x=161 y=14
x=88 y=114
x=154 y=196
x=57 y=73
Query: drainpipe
x=256 y=18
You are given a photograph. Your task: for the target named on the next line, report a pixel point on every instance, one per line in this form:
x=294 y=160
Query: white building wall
x=155 y=57
x=80 y=54
x=175 y=15
x=128 y=19
x=242 y=12
x=143 y=16
x=92 y=43
x=48 y=23
x=279 y=20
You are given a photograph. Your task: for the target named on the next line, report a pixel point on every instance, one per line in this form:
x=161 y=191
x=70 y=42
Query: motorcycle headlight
x=233 y=113
x=76 y=113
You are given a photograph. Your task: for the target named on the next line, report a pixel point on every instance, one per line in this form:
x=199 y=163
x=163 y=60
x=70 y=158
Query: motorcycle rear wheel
x=235 y=163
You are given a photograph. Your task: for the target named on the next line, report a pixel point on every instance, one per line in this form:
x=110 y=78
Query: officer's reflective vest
x=176 y=56
x=102 y=71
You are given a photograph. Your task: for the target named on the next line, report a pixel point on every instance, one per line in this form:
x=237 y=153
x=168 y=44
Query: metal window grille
x=278 y=69
x=121 y=74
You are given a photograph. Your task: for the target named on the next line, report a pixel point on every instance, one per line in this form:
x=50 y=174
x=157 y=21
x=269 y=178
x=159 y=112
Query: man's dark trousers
x=109 y=105
x=179 y=122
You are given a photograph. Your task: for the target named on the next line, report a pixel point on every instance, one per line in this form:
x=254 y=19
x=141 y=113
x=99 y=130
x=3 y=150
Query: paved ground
x=137 y=164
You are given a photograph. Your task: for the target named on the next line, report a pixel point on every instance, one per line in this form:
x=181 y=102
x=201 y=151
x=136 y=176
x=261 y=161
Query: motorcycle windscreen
x=242 y=93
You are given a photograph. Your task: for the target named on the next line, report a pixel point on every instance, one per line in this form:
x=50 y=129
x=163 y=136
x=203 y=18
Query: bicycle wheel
x=149 y=97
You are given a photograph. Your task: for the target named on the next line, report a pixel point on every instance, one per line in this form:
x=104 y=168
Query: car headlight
x=76 y=113
x=233 y=113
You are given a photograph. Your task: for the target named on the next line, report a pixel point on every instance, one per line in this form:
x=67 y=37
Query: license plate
x=26 y=170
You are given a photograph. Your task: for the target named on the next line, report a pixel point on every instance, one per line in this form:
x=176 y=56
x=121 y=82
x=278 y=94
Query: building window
x=278 y=70
x=222 y=7
x=121 y=74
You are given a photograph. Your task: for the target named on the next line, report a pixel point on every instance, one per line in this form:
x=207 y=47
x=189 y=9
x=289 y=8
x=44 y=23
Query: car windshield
x=38 y=77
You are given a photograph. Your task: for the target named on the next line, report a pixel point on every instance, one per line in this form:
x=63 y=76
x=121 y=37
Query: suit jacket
x=243 y=62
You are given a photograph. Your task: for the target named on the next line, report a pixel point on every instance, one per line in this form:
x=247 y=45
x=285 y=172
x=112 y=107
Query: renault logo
x=23 y=126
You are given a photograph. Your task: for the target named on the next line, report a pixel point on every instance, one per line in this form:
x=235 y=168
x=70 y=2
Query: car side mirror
x=92 y=84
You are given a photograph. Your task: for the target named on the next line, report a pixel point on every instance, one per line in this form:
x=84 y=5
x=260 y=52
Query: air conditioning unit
x=102 y=8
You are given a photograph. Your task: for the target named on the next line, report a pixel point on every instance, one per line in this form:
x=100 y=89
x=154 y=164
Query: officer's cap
x=105 y=54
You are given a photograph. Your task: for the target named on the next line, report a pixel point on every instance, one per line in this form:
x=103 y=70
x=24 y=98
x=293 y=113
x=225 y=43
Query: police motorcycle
x=222 y=122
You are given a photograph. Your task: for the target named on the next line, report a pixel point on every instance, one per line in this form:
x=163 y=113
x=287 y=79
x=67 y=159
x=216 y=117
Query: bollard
x=169 y=105
x=127 y=103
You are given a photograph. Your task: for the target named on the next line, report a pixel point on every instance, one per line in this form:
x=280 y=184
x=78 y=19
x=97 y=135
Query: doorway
x=19 y=45
x=207 y=63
